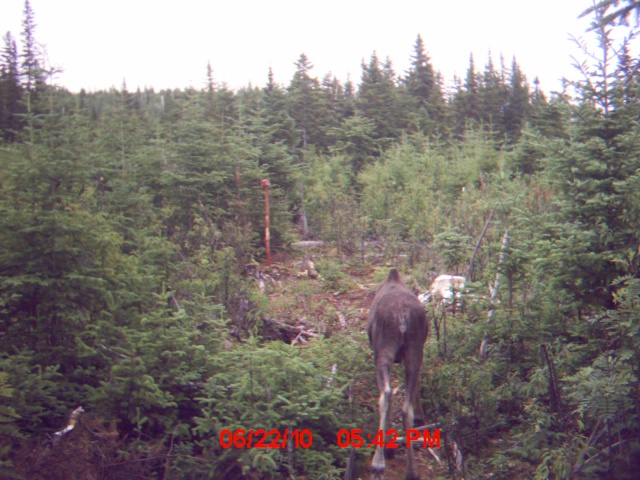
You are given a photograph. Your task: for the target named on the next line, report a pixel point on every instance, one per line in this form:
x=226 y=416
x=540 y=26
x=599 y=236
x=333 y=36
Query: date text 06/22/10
x=262 y=438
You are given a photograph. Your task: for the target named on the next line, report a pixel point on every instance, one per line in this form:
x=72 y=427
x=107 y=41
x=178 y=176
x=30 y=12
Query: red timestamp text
x=262 y=438
x=389 y=439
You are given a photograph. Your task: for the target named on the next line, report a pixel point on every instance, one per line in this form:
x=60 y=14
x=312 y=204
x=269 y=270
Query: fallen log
x=297 y=333
x=308 y=244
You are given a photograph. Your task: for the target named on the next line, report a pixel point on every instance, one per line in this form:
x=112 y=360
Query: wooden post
x=265 y=184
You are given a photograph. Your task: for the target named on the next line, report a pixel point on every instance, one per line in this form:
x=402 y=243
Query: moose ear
x=393 y=276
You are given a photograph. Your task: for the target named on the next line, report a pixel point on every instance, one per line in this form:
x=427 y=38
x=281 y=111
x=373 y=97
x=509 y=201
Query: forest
x=137 y=308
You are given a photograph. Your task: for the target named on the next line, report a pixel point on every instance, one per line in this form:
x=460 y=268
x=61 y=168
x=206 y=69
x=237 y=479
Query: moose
x=397 y=328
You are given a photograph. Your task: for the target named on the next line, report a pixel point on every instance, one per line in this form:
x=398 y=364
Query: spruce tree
x=277 y=117
x=303 y=98
x=516 y=110
x=596 y=175
x=32 y=68
x=355 y=139
x=617 y=17
x=349 y=100
x=466 y=102
x=420 y=80
x=422 y=86
x=493 y=98
x=471 y=87
x=332 y=99
x=59 y=259
x=379 y=101
x=546 y=117
x=10 y=90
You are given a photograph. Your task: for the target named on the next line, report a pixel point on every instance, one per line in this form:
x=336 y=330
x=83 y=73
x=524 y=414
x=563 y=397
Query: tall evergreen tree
x=422 y=86
x=421 y=79
x=471 y=87
x=303 y=99
x=597 y=178
x=466 y=101
x=277 y=117
x=329 y=105
x=55 y=254
x=211 y=86
x=378 y=99
x=33 y=78
x=210 y=91
x=226 y=108
x=545 y=116
x=333 y=96
x=516 y=110
x=493 y=98
x=349 y=102
x=10 y=89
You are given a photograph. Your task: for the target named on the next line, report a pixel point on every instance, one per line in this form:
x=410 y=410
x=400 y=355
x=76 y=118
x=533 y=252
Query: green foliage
x=424 y=88
x=10 y=90
x=397 y=192
x=278 y=387
x=594 y=176
x=334 y=279
x=309 y=106
x=34 y=404
x=355 y=140
x=379 y=100
x=419 y=188
x=332 y=211
x=126 y=219
x=453 y=249
x=516 y=109
x=8 y=431
x=605 y=392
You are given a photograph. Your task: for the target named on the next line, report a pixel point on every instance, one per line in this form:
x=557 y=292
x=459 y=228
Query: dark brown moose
x=397 y=329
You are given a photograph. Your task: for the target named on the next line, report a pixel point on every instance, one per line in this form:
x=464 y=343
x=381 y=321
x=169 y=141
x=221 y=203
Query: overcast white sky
x=167 y=44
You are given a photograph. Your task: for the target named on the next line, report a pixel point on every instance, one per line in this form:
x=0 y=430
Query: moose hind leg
x=412 y=379
x=383 y=375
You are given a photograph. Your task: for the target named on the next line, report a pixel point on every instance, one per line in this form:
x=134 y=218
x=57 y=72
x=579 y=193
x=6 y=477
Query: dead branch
x=298 y=339
x=578 y=468
x=299 y=331
x=483 y=347
x=593 y=438
x=73 y=419
x=334 y=369
x=111 y=352
x=252 y=270
x=173 y=297
x=478 y=243
x=342 y=319
x=309 y=267
x=554 y=389
x=420 y=443
x=496 y=284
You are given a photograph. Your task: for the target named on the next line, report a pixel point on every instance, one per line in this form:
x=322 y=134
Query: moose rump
x=397 y=327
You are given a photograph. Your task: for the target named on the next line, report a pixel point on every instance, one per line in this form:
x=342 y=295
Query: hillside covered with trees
x=133 y=279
